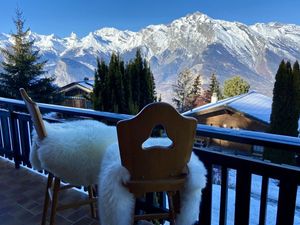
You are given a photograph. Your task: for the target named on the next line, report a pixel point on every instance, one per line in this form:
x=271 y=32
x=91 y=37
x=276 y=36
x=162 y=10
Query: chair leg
x=171 y=207
x=54 y=200
x=46 y=200
x=176 y=202
x=92 y=205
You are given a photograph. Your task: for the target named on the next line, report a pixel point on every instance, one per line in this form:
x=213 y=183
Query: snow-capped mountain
x=195 y=41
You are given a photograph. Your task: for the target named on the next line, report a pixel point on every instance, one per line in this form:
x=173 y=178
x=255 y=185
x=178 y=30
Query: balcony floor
x=22 y=196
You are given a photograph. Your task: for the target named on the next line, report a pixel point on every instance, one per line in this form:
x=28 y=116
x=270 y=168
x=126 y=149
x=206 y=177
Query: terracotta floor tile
x=22 y=196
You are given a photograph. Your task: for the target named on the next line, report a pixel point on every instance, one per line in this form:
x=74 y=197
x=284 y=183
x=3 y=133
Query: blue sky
x=61 y=17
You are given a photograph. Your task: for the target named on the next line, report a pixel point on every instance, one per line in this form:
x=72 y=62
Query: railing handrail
x=112 y=117
x=235 y=161
x=242 y=136
x=250 y=137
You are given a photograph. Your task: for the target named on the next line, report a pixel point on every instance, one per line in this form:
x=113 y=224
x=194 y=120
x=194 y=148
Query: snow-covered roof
x=86 y=85
x=253 y=104
x=89 y=84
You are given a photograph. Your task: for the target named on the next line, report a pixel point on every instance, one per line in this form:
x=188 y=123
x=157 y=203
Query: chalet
x=78 y=94
x=250 y=111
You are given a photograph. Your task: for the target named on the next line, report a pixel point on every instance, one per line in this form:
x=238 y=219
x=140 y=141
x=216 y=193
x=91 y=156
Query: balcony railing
x=15 y=127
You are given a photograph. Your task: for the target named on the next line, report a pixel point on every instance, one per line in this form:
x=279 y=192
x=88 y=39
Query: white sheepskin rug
x=116 y=203
x=73 y=151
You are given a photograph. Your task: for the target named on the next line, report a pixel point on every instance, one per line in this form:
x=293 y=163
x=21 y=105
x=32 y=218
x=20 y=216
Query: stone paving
x=22 y=196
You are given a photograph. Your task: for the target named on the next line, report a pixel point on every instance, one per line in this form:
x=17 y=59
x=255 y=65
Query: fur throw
x=72 y=151
x=116 y=203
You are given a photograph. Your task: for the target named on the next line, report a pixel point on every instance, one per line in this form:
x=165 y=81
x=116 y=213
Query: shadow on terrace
x=240 y=190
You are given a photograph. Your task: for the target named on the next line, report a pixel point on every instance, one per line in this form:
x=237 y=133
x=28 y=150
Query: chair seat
x=140 y=187
x=73 y=150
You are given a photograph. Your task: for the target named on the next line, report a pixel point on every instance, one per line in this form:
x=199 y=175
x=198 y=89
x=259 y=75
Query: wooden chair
x=157 y=168
x=53 y=183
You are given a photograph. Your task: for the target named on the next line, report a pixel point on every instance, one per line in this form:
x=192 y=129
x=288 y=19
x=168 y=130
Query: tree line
x=189 y=91
x=123 y=88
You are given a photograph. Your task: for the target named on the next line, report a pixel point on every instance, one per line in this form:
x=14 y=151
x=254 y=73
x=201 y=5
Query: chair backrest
x=156 y=162
x=35 y=114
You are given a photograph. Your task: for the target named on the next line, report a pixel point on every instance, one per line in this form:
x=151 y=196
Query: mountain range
x=196 y=41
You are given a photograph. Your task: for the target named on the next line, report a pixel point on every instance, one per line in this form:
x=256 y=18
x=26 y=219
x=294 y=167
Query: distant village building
x=78 y=94
x=250 y=111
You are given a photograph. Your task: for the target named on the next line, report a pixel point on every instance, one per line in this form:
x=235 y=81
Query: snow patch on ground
x=256 y=183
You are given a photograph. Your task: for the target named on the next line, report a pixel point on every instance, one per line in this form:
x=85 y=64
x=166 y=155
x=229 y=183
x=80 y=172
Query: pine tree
x=147 y=86
x=214 y=87
x=235 y=86
x=105 y=92
x=137 y=70
x=281 y=99
x=142 y=83
x=22 y=68
x=127 y=89
x=120 y=86
x=153 y=93
x=123 y=89
x=296 y=87
x=296 y=100
x=101 y=97
x=292 y=108
x=96 y=95
x=285 y=115
x=196 y=92
x=115 y=84
x=182 y=89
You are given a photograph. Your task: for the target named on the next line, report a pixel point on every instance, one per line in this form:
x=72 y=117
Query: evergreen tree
x=282 y=101
x=293 y=105
x=278 y=94
x=101 y=95
x=123 y=89
x=296 y=100
x=285 y=110
x=137 y=70
x=142 y=83
x=127 y=89
x=182 y=89
x=235 y=86
x=106 y=92
x=214 y=87
x=196 y=91
x=296 y=87
x=153 y=93
x=147 y=86
x=22 y=68
x=96 y=95
x=115 y=84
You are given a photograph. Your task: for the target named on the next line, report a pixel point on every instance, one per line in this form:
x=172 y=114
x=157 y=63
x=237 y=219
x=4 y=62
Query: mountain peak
x=73 y=36
x=107 y=30
x=194 y=18
x=198 y=16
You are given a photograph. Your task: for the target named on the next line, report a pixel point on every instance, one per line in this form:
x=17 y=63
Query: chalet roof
x=85 y=85
x=252 y=104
